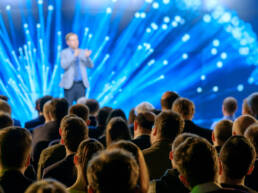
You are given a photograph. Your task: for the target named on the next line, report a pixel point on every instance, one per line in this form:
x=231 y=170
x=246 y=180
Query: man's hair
x=42 y=101
x=168 y=99
x=113 y=171
x=5 y=120
x=93 y=105
x=144 y=106
x=230 y=105
x=15 y=146
x=169 y=124
x=223 y=130
x=181 y=138
x=74 y=130
x=251 y=133
x=241 y=124
x=80 y=110
x=46 y=186
x=3 y=97
x=69 y=35
x=103 y=115
x=196 y=160
x=60 y=108
x=116 y=113
x=252 y=102
x=145 y=120
x=237 y=155
x=117 y=129
x=184 y=107
x=5 y=107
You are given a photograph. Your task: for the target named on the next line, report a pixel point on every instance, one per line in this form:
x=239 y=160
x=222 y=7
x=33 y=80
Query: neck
x=223 y=179
x=79 y=184
x=68 y=152
x=3 y=170
x=141 y=132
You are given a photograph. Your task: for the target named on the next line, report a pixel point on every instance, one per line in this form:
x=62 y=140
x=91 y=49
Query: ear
x=90 y=190
x=60 y=131
x=62 y=141
x=155 y=131
x=88 y=122
x=171 y=155
x=234 y=133
x=135 y=125
x=75 y=160
x=250 y=171
x=183 y=180
x=213 y=137
x=27 y=161
x=220 y=167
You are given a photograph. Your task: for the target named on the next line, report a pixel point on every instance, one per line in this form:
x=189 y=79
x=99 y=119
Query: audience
x=168 y=99
x=6 y=108
x=46 y=186
x=250 y=105
x=144 y=106
x=241 y=124
x=5 y=120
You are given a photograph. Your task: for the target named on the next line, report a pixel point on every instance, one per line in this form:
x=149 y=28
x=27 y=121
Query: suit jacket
x=35 y=122
x=237 y=187
x=157 y=158
x=64 y=171
x=68 y=61
x=14 y=181
x=142 y=141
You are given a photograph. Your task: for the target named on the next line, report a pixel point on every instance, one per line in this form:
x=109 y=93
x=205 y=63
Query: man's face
x=73 y=42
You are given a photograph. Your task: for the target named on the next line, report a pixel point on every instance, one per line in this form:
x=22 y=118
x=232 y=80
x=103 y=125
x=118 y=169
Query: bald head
x=242 y=123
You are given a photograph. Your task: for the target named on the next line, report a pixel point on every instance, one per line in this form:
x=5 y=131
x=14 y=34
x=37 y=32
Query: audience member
x=101 y=119
x=6 y=108
x=144 y=106
x=15 y=148
x=142 y=128
x=132 y=117
x=241 y=124
x=113 y=171
x=168 y=99
x=93 y=106
x=47 y=108
x=81 y=111
x=5 y=120
x=46 y=186
x=167 y=126
x=250 y=105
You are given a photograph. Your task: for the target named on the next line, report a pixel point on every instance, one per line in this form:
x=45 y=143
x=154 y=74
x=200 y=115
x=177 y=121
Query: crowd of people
x=87 y=148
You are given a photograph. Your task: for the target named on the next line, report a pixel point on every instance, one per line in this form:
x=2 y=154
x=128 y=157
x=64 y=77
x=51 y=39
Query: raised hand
x=76 y=52
x=88 y=53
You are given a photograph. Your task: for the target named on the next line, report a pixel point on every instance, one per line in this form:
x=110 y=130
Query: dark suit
x=142 y=141
x=252 y=180
x=237 y=187
x=64 y=171
x=157 y=158
x=14 y=181
x=35 y=122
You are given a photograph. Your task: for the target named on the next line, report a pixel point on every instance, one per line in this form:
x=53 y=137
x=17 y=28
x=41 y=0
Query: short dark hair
x=80 y=110
x=5 y=120
x=181 y=138
x=237 y=155
x=93 y=105
x=223 y=130
x=252 y=102
x=168 y=99
x=46 y=186
x=74 y=130
x=184 y=107
x=15 y=146
x=60 y=108
x=3 y=97
x=116 y=113
x=169 y=124
x=113 y=171
x=230 y=105
x=42 y=101
x=145 y=120
x=5 y=107
x=103 y=115
x=251 y=133
x=197 y=161
x=69 y=35
x=242 y=123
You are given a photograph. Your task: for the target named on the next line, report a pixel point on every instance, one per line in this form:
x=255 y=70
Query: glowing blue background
x=140 y=50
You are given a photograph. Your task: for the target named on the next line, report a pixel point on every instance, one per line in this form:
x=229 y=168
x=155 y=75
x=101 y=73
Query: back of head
x=145 y=120
x=93 y=106
x=5 y=120
x=80 y=110
x=74 y=130
x=42 y=101
x=252 y=102
x=46 y=186
x=3 y=97
x=223 y=131
x=169 y=124
x=230 y=105
x=117 y=129
x=237 y=156
x=168 y=99
x=103 y=115
x=251 y=133
x=113 y=171
x=116 y=113
x=5 y=107
x=144 y=106
x=241 y=124
x=15 y=147
x=181 y=138
x=60 y=108
x=197 y=161
x=184 y=107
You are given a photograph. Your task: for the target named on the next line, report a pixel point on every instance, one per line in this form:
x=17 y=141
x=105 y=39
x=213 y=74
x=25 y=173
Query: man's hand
x=76 y=52
x=88 y=53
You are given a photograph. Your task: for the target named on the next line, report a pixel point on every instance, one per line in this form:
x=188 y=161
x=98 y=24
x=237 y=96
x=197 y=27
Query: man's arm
x=85 y=58
x=67 y=60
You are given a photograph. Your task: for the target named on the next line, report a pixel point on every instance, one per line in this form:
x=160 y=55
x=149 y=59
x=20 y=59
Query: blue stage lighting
x=219 y=64
x=224 y=55
x=240 y=87
x=186 y=37
x=155 y=5
x=185 y=56
x=166 y=19
x=216 y=43
x=215 y=89
x=203 y=77
x=207 y=18
x=199 y=89
x=8 y=7
x=166 y=2
x=214 y=51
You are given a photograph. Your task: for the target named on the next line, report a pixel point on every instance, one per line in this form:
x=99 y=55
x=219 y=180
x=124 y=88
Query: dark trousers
x=73 y=94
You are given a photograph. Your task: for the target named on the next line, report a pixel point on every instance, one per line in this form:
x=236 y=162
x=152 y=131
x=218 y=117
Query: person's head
x=73 y=130
x=138 y=155
x=81 y=111
x=48 y=111
x=252 y=102
x=59 y=108
x=15 y=148
x=113 y=171
x=184 y=107
x=251 y=133
x=103 y=115
x=93 y=106
x=132 y=116
x=241 y=124
x=237 y=158
x=86 y=150
x=143 y=123
x=197 y=162
x=117 y=129
x=167 y=125
x=116 y=113
x=72 y=40
x=5 y=120
x=46 y=186
x=168 y=99
x=245 y=108
x=42 y=102
x=222 y=131
x=5 y=107
x=3 y=97
x=229 y=106
x=144 y=106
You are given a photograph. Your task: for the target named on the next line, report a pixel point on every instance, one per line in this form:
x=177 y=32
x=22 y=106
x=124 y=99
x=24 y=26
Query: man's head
x=222 y=131
x=3 y=97
x=241 y=124
x=103 y=115
x=80 y=110
x=167 y=125
x=73 y=130
x=48 y=111
x=237 y=157
x=60 y=108
x=143 y=123
x=197 y=161
x=15 y=148
x=113 y=171
x=144 y=106
x=251 y=133
x=184 y=107
x=93 y=106
x=252 y=102
x=168 y=99
x=5 y=120
x=5 y=107
x=42 y=102
x=72 y=40
x=229 y=106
